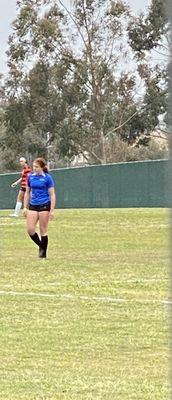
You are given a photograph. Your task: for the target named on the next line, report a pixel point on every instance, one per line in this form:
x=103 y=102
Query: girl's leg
x=43 y=226
x=19 y=202
x=20 y=196
x=32 y=219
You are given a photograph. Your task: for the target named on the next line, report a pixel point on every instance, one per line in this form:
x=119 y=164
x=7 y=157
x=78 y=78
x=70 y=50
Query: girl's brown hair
x=42 y=163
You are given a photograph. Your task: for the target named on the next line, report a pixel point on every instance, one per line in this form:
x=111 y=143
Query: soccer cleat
x=42 y=253
x=14 y=215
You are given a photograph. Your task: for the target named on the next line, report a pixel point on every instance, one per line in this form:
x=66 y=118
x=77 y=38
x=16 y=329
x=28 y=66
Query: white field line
x=11 y=223
x=105 y=299
x=134 y=280
x=117 y=281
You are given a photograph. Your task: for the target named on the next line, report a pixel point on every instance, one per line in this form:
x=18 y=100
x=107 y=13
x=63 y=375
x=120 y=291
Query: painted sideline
x=82 y=297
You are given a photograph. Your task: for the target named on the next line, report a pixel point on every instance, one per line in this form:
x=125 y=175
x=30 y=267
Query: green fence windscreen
x=136 y=184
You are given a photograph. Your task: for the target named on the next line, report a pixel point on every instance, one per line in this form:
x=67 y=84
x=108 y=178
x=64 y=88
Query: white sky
x=8 y=13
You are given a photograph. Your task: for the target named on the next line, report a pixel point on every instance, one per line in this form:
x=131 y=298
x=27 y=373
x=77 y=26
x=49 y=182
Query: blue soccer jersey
x=39 y=185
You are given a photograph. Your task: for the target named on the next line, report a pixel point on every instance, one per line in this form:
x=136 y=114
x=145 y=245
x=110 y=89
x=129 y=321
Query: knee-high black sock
x=36 y=239
x=43 y=247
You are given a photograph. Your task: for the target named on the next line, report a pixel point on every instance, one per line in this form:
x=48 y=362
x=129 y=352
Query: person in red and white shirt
x=22 y=181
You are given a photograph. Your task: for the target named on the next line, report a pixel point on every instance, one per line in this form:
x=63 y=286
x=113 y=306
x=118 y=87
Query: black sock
x=36 y=239
x=44 y=242
x=43 y=247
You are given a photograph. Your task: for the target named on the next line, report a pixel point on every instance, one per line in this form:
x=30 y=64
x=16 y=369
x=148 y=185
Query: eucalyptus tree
x=149 y=39
x=71 y=76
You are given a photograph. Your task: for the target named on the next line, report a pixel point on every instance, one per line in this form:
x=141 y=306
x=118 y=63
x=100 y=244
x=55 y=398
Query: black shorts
x=40 y=207
x=23 y=189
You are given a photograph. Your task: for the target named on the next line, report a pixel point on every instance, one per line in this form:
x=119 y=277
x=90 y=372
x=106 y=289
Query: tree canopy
x=72 y=85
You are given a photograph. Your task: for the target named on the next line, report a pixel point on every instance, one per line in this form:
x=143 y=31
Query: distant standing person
x=22 y=181
x=39 y=203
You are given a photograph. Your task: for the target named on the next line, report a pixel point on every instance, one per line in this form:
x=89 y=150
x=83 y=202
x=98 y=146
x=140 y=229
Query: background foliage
x=83 y=81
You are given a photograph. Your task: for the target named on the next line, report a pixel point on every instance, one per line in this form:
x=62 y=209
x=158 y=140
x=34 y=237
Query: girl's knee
x=20 y=196
x=30 y=231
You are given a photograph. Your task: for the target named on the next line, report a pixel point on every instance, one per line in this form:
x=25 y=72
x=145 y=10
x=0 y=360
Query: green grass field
x=89 y=322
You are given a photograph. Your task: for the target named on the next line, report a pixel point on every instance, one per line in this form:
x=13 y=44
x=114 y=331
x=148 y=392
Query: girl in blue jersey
x=39 y=203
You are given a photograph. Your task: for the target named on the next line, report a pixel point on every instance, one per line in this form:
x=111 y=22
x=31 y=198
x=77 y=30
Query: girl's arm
x=26 y=200
x=16 y=182
x=53 y=200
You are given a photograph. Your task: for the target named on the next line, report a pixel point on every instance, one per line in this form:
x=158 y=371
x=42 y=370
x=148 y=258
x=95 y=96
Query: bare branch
x=111 y=51
x=159 y=134
x=161 y=54
x=121 y=125
x=82 y=149
x=95 y=156
x=74 y=21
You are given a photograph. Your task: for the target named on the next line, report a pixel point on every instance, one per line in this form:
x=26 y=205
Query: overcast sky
x=8 y=12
